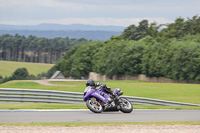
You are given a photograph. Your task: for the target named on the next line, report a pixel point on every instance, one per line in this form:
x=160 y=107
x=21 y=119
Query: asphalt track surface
x=30 y=116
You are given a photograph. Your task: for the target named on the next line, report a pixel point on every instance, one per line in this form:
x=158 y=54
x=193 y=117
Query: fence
x=49 y=96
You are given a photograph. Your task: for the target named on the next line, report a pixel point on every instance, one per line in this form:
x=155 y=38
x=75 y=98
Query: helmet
x=90 y=82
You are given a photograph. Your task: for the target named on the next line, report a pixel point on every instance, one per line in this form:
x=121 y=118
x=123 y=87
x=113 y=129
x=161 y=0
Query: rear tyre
x=125 y=105
x=94 y=106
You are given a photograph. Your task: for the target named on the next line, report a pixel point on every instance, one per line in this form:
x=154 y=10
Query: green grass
x=34 y=85
x=188 y=93
x=72 y=124
x=12 y=106
x=8 y=67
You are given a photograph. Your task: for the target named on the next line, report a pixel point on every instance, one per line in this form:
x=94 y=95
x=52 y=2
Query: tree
x=142 y=30
x=130 y=33
x=20 y=74
x=35 y=49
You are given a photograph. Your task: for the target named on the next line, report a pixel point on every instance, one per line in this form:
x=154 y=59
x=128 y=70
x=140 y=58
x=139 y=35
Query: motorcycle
x=98 y=100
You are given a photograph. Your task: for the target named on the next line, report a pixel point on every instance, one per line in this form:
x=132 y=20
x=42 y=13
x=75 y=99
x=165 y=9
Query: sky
x=95 y=12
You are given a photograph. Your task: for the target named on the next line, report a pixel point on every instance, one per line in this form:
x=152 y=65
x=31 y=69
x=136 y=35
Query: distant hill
x=89 y=35
x=58 y=27
x=89 y=32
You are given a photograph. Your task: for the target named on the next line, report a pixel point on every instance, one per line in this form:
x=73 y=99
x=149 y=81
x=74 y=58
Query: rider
x=91 y=82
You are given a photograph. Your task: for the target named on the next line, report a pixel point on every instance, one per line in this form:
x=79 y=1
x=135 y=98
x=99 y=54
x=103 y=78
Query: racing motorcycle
x=98 y=100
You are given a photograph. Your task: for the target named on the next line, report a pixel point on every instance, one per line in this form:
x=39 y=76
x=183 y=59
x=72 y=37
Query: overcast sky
x=95 y=12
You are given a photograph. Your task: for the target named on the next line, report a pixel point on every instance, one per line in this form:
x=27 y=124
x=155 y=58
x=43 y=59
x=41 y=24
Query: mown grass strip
x=81 y=106
x=41 y=106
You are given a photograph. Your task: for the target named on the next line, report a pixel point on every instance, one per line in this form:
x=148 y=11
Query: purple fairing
x=100 y=94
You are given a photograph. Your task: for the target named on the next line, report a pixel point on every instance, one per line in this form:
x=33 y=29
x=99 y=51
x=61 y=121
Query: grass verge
x=188 y=93
x=81 y=106
x=41 y=106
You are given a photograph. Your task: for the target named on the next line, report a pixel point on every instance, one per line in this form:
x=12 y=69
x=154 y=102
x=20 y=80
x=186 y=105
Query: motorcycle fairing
x=100 y=94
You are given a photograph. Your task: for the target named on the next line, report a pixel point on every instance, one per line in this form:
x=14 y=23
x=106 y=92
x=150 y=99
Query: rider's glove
x=98 y=84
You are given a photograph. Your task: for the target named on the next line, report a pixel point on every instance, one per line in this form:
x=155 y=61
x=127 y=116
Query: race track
x=87 y=116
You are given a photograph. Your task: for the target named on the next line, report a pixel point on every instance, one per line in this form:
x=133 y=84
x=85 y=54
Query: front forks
x=94 y=100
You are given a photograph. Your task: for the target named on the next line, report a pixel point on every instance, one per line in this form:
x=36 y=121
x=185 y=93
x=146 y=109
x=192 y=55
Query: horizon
x=59 y=24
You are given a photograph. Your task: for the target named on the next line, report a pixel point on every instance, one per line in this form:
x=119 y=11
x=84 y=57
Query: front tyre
x=94 y=105
x=125 y=105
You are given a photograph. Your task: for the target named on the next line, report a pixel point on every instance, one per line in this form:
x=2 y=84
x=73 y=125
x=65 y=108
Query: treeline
x=35 y=49
x=162 y=32
x=172 y=52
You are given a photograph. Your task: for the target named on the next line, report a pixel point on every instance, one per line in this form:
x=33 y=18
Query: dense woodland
x=171 y=51
x=35 y=49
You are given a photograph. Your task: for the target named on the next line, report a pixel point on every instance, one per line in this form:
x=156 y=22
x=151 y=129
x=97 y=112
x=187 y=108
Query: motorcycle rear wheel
x=125 y=105
x=94 y=107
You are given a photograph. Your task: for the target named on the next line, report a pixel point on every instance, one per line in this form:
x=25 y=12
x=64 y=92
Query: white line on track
x=40 y=110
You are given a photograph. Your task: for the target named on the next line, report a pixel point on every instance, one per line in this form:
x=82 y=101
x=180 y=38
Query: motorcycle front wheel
x=94 y=105
x=125 y=105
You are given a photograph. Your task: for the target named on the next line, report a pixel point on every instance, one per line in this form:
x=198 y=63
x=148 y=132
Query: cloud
x=96 y=12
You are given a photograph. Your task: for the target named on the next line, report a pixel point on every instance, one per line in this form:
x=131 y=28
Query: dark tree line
x=172 y=52
x=35 y=49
